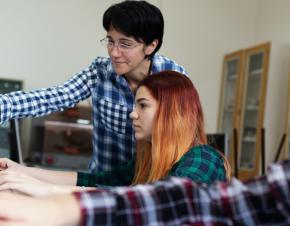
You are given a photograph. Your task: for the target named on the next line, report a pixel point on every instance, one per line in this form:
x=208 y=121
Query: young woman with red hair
x=171 y=141
x=177 y=144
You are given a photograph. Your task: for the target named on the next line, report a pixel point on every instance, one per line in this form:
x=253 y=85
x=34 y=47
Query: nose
x=133 y=115
x=114 y=50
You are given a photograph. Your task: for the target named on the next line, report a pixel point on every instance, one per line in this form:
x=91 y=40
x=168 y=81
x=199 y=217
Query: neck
x=135 y=77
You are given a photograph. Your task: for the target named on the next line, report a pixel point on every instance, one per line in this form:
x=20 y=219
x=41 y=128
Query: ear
x=151 y=47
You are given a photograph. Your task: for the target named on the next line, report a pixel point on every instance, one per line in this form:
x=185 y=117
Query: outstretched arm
x=24 y=184
x=26 y=211
x=49 y=176
x=41 y=102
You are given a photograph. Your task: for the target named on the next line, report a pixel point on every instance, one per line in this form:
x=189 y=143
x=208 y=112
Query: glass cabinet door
x=228 y=101
x=253 y=108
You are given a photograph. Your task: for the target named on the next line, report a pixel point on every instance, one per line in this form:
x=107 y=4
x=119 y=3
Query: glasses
x=123 y=45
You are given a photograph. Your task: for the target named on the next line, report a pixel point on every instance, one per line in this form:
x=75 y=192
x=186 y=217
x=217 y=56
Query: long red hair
x=178 y=125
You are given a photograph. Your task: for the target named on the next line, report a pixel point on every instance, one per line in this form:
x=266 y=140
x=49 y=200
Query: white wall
x=198 y=34
x=46 y=42
x=272 y=23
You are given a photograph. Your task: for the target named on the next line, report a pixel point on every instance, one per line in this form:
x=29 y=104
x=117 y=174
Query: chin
x=139 y=138
x=143 y=139
x=120 y=70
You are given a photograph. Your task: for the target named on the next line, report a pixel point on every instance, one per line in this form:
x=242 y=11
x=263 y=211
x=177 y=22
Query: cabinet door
x=255 y=80
x=229 y=101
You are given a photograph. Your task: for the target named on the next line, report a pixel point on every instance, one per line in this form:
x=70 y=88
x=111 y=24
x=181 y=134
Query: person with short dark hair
x=134 y=35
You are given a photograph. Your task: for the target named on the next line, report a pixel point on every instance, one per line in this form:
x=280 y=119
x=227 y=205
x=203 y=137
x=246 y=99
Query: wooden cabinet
x=242 y=105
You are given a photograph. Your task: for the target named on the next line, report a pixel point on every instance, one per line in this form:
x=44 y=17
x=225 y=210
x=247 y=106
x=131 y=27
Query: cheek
x=151 y=122
x=135 y=56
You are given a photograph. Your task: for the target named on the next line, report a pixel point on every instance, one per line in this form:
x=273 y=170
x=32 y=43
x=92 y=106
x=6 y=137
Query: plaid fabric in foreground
x=176 y=201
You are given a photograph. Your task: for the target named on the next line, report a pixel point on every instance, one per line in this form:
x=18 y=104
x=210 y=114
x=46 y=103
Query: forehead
x=143 y=92
x=117 y=34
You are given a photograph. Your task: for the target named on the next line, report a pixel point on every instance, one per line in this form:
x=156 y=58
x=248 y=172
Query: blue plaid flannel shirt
x=113 y=101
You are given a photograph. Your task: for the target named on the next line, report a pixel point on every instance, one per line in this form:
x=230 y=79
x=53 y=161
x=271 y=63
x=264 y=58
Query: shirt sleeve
x=204 y=165
x=44 y=101
x=119 y=176
x=179 y=201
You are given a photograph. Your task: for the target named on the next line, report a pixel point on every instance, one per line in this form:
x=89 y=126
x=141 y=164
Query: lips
x=118 y=62
x=136 y=126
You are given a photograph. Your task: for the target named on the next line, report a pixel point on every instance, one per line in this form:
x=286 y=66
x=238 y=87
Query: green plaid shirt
x=200 y=164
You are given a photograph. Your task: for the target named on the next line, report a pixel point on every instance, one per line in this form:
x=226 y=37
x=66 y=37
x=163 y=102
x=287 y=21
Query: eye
x=126 y=45
x=142 y=105
x=110 y=42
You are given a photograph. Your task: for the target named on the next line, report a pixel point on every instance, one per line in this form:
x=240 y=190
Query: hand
x=6 y=163
x=22 y=183
x=18 y=210
x=14 y=181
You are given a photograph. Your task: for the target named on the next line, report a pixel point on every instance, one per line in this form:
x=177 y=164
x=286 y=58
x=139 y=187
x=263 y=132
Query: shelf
x=232 y=77
x=252 y=108
x=68 y=125
x=229 y=110
x=246 y=165
x=255 y=73
x=249 y=139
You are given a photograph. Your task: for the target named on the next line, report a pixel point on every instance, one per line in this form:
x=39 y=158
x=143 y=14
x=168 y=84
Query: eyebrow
x=141 y=99
x=121 y=39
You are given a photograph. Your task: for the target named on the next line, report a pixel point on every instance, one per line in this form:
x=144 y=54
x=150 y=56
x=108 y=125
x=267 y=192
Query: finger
x=9 y=187
x=4 y=161
x=3 y=165
x=25 y=187
x=6 y=177
x=9 y=181
x=11 y=174
x=6 y=172
x=10 y=220
x=7 y=163
x=13 y=223
x=16 y=188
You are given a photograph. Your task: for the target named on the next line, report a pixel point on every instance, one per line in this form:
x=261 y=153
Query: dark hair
x=139 y=19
